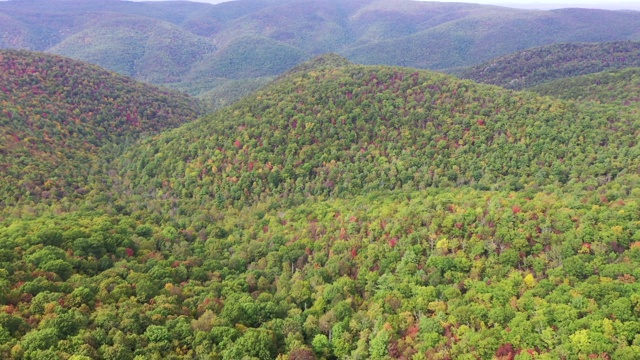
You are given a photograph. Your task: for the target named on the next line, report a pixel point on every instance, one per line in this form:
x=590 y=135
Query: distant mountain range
x=223 y=51
x=620 y=87
x=560 y=4
x=531 y=67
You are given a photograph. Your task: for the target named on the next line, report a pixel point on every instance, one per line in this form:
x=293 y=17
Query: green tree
x=254 y=343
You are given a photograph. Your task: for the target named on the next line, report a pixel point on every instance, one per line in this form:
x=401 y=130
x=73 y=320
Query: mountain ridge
x=535 y=66
x=440 y=36
x=304 y=134
x=618 y=87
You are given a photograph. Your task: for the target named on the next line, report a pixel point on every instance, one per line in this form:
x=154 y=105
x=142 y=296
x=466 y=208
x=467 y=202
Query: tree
x=254 y=343
x=302 y=354
x=40 y=339
x=580 y=342
x=5 y=335
x=81 y=295
x=50 y=236
x=321 y=345
x=66 y=324
x=379 y=345
x=159 y=339
x=60 y=267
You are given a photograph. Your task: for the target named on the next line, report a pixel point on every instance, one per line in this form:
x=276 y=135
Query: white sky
x=532 y=4
x=556 y=4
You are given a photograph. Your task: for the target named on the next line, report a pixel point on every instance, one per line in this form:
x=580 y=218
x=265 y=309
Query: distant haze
x=521 y=4
x=559 y=4
x=525 y=4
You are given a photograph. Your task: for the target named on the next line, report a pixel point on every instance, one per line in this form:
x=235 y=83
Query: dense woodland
x=356 y=129
x=59 y=116
x=342 y=212
x=531 y=67
x=455 y=273
x=621 y=88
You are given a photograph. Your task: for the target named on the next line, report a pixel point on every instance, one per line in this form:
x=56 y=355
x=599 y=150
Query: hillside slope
x=356 y=129
x=57 y=113
x=146 y=49
x=620 y=88
x=532 y=67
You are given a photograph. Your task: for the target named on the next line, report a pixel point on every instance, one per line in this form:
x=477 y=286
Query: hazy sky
x=555 y=4
x=536 y=4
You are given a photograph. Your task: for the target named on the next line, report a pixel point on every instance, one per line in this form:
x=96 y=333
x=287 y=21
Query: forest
x=59 y=116
x=537 y=66
x=339 y=210
x=342 y=212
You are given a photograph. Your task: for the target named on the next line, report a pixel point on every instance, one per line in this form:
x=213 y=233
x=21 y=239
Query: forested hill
x=532 y=67
x=356 y=129
x=621 y=88
x=57 y=113
x=232 y=47
x=344 y=211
